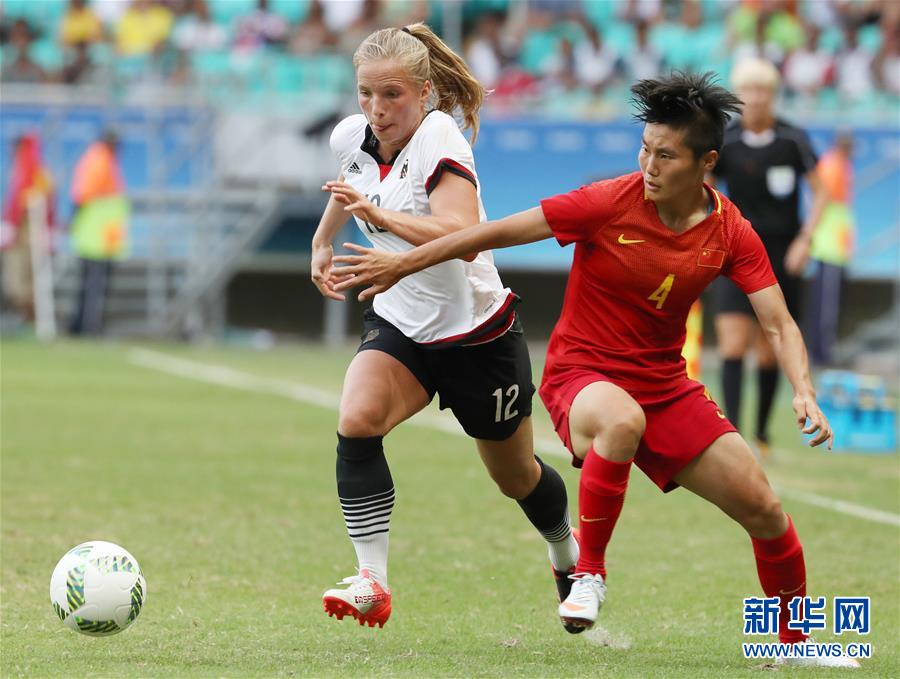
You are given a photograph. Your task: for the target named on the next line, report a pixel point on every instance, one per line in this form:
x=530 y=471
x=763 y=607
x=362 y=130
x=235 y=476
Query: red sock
x=601 y=493
x=782 y=573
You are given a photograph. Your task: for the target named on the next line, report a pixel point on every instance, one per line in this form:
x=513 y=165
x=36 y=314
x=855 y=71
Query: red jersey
x=633 y=280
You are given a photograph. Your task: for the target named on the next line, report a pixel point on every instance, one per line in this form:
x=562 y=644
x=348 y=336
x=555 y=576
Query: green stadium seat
x=292 y=10
x=601 y=14
x=831 y=40
x=102 y=53
x=620 y=36
x=43 y=15
x=48 y=54
x=537 y=47
x=226 y=11
x=870 y=37
x=671 y=41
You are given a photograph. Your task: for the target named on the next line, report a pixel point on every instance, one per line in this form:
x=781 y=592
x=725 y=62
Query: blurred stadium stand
x=225 y=121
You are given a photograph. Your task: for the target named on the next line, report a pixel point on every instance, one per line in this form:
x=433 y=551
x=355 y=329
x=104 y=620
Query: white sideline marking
x=875 y=515
x=229 y=377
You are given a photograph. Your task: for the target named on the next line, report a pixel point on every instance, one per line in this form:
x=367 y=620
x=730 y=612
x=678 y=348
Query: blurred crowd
x=567 y=54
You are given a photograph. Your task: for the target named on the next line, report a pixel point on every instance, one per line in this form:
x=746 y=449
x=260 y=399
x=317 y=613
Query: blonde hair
x=755 y=71
x=424 y=56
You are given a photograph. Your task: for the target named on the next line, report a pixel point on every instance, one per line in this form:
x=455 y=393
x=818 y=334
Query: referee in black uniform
x=762 y=161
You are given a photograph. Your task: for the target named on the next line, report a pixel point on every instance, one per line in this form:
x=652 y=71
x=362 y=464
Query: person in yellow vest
x=99 y=228
x=831 y=248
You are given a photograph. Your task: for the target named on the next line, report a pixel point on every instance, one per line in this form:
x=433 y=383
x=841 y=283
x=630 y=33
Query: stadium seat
x=226 y=12
x=601 y=14
x=292 y=10
x=620 y=36
x=48 y=54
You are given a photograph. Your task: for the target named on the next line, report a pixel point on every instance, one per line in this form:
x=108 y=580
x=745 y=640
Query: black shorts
x=729 y=298
x=487 y=386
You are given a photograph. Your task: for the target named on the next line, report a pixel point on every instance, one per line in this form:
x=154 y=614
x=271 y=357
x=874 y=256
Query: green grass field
x=226 y=497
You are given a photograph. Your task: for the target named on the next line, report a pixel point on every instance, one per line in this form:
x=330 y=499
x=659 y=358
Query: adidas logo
x=354 y=169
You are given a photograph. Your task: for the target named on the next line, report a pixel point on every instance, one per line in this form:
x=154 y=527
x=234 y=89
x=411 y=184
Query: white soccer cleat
x=581 y=607
x=840 y=661
x=364 y=599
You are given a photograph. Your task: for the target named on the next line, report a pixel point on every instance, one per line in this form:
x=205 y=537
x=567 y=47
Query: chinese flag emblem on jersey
x=711 y=258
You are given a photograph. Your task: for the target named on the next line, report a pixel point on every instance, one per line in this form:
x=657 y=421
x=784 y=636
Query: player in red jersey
x=646 y=245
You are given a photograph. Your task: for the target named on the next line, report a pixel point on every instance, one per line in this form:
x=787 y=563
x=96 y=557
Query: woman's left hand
x=378 y=268
x=812 y=420
x=356 y=203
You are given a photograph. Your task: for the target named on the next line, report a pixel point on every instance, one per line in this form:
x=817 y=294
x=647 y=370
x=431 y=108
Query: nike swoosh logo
x=572 y=607
x=625 y=241
x=781 y=591
x=584 y=519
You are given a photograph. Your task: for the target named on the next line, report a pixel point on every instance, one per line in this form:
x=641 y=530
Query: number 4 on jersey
x=660 y=294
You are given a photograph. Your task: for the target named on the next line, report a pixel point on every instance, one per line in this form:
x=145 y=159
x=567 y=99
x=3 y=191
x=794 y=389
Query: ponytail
x=425 y=56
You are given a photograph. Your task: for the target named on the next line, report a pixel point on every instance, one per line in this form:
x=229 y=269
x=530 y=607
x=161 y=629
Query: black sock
x=547 y=506
x=732 y=383
x=768 y=385
x=366 y=493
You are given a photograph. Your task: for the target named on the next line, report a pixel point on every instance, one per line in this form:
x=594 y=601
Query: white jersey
x=454 y=302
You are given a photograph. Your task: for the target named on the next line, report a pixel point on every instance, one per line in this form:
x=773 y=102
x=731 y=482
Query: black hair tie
x=406 y=30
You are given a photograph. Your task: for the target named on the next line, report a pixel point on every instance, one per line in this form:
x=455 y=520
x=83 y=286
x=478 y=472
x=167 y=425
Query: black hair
x=687 y=101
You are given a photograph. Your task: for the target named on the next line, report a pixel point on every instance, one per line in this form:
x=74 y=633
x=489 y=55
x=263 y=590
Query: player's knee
x=623 y=429
x=764 y=516
x=518 y=485
x=361 y=421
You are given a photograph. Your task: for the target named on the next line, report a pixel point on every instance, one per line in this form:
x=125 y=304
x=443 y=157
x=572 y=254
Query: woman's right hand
x=323 y=273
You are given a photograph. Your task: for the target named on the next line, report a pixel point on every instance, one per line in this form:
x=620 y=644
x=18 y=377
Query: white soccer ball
x=97 y=588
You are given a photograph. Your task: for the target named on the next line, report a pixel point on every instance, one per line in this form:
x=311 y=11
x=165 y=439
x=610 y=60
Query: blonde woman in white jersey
x=408 y=177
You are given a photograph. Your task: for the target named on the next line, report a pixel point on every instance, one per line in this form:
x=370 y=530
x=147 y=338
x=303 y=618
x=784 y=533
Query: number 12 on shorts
x=503 y=414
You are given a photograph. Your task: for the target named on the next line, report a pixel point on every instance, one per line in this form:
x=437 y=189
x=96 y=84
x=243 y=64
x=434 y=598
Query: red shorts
x=681 y=423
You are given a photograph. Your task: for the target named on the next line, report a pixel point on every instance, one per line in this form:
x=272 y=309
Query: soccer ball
x=97 y=588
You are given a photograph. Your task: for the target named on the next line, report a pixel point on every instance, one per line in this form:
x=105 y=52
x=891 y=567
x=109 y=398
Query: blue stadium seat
x=601 y=14
x=620 y=35
x=831 y=39
x=43 y=15
x=48 y=54
x=226 y=11
x=292 y=10
x=870 y=37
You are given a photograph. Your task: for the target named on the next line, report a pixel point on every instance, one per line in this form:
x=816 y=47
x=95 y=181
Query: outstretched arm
x=380 y=270
x=453 y=203
x=785 y=338
x=322 y=271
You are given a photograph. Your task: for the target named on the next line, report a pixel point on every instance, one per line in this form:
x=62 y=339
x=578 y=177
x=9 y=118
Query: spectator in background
x=22 y=68
x=854 y=68
x=489 y=51
x=195 y=31
x=340 y=14
x=643 y=62
x=28 y=178
x=312 y=35
x=886 y=65
x=808 y=69
x=832 y=248
x=79 y=69
x=596 y=64
x=366 y=22
x=99 y=228
x=647 y=11
x=144 y=28
x=80 y=25
x=758 y=46
x=260 y=28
